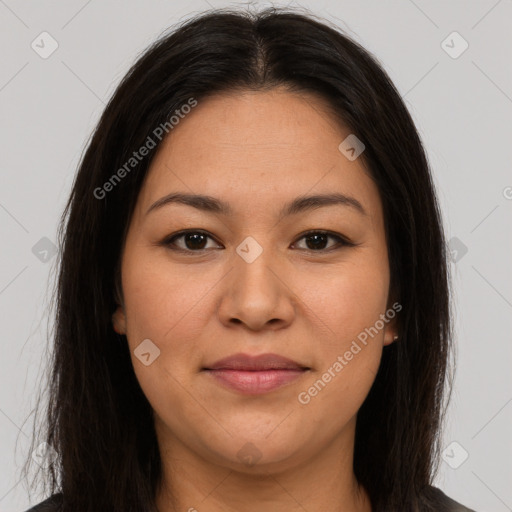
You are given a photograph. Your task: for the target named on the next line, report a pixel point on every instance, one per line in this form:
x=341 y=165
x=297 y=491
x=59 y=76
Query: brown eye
x=196 y=241
x=317 y=241
x=193 y=241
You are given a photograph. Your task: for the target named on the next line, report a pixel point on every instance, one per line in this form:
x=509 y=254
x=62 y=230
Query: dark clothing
x=447 y=504
x=50 y=505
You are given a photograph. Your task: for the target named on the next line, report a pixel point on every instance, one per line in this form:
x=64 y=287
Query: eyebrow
x=298 y=205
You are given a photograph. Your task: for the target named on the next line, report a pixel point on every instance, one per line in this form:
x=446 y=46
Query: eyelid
x=342 y=240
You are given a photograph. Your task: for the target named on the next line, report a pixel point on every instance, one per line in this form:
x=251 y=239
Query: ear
x=391 y=333
x=119 y=320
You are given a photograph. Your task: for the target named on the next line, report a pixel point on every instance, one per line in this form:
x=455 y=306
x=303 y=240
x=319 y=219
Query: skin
x=256 y=151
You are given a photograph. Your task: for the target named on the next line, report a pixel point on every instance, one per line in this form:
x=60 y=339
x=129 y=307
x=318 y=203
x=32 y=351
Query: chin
x=253 y=454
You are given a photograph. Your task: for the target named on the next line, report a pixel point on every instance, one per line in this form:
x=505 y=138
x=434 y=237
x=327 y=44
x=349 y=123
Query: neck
x=324 y=481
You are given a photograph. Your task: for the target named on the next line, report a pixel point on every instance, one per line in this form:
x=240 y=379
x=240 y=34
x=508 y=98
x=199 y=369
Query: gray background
x=462 y=107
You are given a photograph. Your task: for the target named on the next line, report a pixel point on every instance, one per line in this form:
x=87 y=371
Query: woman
x=253 y=299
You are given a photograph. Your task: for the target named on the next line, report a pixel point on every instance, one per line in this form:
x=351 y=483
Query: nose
x=257 y=293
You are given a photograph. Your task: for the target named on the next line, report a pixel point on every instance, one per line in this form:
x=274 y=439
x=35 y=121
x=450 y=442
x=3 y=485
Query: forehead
x=258 y=148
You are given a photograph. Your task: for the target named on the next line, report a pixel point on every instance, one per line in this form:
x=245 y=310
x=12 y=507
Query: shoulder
x=433 y=498
x=52 y=504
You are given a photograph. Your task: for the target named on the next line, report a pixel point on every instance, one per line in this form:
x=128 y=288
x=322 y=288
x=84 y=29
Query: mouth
x=255 y=374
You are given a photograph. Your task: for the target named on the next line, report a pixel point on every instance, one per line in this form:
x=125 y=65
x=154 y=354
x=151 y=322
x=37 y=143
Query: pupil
x=316 y=237
x=193 y=238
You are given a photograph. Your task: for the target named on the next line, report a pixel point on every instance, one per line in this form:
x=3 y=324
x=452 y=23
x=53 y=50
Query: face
x=256 y=279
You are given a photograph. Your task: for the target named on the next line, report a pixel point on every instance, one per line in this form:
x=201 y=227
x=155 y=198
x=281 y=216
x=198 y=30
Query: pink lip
x=247 y=362
x=255 y=374
x=255 y=382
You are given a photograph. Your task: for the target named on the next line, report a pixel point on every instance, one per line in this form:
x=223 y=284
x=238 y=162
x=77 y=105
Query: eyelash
x=169 y=241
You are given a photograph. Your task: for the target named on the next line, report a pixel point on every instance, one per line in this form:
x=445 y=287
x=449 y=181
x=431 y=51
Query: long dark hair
x=98 y=419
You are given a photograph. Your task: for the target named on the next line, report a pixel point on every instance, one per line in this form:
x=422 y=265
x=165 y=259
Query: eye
x=318 y=240
x=196 y=241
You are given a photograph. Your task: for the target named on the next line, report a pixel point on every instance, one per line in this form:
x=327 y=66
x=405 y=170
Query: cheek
x=348 y=351
x=165 y=304
x=171 y=305
x=345 y=305
x=346 y=299
x=164 y=300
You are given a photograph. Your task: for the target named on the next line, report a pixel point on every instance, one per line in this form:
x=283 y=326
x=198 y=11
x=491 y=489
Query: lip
x=246 y=362
x=253 y=375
